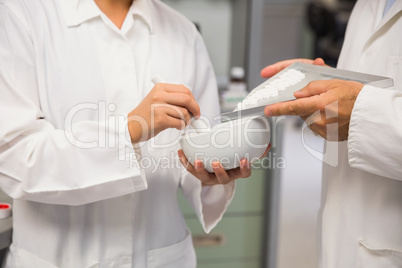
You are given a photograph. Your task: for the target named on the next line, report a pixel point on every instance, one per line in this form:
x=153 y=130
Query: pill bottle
x=236 y=90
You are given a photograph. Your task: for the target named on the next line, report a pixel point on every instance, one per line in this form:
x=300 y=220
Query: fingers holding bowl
x=220 y=175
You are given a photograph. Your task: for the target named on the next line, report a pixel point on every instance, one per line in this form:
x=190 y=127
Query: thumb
x=319 y=61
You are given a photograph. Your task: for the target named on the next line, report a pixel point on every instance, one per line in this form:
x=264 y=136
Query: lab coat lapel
x=383 y=22
x=395 y=9
x=377 y=8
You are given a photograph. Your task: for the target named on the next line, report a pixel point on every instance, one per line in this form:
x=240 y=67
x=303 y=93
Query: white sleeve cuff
x=131 y=153
x=208 y=202
x=375 y=135
x=215 y=200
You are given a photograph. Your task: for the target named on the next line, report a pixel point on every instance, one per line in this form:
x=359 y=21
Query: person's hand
x=275 y=68
x=165 y=106
x=220 y=175
x=325 y=105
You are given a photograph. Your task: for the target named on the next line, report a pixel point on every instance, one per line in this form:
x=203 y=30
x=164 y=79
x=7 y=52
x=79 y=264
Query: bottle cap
x=237 y=72
x=5 y=210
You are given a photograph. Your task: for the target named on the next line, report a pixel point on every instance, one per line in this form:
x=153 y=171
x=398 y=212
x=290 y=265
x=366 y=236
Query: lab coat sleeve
x=41 y=163
x=375 y=132
x=208 y=202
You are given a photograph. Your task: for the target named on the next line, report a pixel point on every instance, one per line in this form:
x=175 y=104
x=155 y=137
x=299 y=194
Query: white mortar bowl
x=228 y=143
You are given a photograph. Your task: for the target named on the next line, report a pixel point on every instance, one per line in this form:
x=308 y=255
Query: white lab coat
x=362 y=195
x=83 y=198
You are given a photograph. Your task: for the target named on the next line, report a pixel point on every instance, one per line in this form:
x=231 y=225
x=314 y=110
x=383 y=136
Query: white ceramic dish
x=228 y=143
